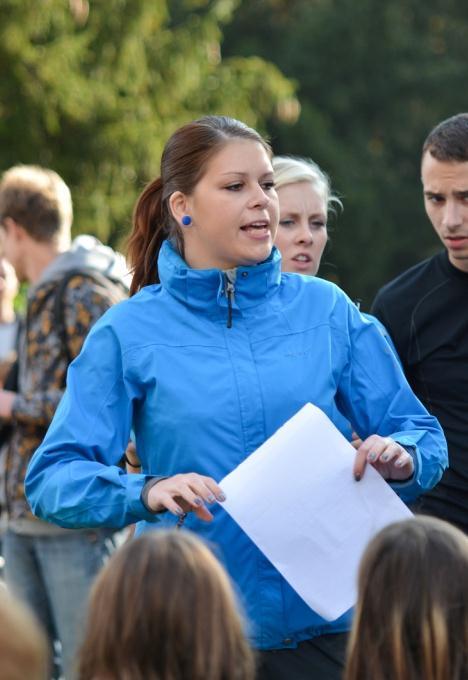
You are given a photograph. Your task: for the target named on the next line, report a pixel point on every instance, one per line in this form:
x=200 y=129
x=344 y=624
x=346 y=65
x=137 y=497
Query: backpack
x=116 y=289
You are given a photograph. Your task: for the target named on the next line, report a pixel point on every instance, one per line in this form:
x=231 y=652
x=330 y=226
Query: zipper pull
x=230 y=296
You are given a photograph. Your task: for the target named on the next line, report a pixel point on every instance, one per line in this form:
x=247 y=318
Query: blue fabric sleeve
x=374 y=394
x=76 y=466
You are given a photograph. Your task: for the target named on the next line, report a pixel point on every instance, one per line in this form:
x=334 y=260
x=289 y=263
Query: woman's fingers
x=359 y=463
x=388 y=457
x=370 y=451
x=185 y=493
x=204 y=488
x=402 y=467
x=356 y=440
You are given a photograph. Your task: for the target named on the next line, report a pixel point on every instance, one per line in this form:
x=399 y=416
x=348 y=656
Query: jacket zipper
x=229 y=290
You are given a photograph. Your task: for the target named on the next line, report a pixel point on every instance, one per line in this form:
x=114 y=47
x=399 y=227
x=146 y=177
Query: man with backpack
x=70 y=286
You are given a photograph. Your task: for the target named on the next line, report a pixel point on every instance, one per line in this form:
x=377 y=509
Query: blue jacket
x=201 y=397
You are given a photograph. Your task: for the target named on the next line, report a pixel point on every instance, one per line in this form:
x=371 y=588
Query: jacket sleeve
x=84 y=302
x=73 y=478
x=376 y=397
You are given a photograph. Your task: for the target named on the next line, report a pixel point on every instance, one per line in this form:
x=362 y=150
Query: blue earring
x=186 y=220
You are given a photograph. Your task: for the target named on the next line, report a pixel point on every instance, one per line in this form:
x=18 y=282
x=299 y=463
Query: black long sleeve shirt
x=425 y=310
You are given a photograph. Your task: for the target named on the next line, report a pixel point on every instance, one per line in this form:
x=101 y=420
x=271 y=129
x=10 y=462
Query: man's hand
x=6 y=403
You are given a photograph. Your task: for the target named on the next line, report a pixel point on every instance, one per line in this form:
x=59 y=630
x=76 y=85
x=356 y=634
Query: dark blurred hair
x=184 y=161
x=163 y=609
x=448 y=141
x=411 y=620
x=39 y=200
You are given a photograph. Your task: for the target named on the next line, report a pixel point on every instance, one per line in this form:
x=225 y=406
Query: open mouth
x=257 y=229
x=302 y=257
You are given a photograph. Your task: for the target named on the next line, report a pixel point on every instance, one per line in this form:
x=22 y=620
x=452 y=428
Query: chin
x=306 y=272
x=259 y=256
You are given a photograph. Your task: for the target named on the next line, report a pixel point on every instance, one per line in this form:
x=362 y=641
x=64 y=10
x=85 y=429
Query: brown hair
x=38 y=199
x=448 y=141
x=183 y=164
x=163 y=609
x=24 y=652
x=411 y=619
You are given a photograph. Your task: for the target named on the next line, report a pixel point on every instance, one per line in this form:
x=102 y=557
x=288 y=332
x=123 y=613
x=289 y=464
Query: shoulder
x=314 y=301
x=299 y=284
x=90 y=287
x=411 y=284
x=131 y=319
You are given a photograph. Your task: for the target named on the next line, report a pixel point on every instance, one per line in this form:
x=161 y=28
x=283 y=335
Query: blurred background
x=93 y=89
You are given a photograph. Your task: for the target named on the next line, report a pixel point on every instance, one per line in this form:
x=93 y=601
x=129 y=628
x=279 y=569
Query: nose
x=452 y=215
x=304 y=233
x=260 y=198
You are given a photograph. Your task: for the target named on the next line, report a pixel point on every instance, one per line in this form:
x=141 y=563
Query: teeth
x=302 y=258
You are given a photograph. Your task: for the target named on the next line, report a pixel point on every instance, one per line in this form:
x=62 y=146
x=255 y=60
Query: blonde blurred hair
x=23 y=646
x=411 y=619
x=163 y=608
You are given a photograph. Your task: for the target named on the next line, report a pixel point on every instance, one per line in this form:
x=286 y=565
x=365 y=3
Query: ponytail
x=147 y=236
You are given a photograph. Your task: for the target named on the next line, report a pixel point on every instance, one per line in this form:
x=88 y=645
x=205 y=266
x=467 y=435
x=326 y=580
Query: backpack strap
x=113 y=287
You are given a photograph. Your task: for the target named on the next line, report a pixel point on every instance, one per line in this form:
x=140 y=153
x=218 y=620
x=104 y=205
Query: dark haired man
x=70 y=287
x=425 y=310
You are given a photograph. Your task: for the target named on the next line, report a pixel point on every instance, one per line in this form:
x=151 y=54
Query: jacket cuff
x=145 y=491
x=400 y=484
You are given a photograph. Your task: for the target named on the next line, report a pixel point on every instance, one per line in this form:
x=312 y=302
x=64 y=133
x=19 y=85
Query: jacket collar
x=205 y=288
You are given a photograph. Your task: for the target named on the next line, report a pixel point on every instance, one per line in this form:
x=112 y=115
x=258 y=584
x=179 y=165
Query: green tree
x=93 y=90
x=373 y=79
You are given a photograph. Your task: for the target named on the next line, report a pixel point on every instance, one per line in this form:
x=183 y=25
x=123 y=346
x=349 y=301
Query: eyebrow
x=291 y=213
x=268 y=173
x=458 y=194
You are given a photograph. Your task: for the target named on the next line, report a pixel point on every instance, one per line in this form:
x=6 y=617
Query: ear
x=179 y=205
x=14 y=229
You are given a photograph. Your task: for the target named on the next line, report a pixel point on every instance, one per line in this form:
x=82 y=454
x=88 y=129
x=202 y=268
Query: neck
x=461 y=264
x=40 y=257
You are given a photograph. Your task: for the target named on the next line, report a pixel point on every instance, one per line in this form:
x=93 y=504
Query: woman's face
x=234 y=209
x=302 y=232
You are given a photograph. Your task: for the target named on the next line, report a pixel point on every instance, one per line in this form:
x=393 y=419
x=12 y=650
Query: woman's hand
x=385 y=455
x=185 y=493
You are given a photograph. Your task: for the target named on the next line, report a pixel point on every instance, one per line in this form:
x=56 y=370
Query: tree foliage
x=373 y=79
x=94 y=89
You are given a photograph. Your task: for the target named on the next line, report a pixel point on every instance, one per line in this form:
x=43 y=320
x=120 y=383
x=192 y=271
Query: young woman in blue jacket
x=215 y=350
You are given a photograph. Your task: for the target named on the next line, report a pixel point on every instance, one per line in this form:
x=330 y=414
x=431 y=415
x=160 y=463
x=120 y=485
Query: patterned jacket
x=43 y=359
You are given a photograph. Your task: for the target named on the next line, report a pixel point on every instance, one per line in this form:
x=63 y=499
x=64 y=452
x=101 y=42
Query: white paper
x=297 y=499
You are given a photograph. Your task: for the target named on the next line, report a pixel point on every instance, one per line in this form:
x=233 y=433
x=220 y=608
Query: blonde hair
x=39 y=200
x=411 y=620
x=292 y=169
x=23 y=646
x=163 y=609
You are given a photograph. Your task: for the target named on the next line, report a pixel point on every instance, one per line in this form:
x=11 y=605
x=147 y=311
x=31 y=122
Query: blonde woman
x=305 y=199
